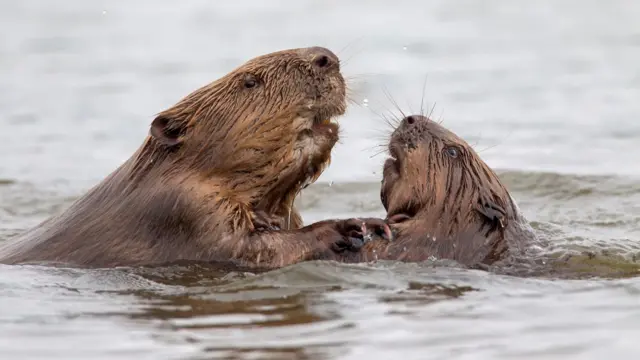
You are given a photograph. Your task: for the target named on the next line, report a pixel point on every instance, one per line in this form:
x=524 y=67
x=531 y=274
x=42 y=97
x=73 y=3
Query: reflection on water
x=314 y=310
x=322 y=310
x=547 y=89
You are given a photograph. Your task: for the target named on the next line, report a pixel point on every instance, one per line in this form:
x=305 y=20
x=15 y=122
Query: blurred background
x=545 y=85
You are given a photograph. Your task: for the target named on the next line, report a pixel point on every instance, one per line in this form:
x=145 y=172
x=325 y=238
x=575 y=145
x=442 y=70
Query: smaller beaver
x=443 y=202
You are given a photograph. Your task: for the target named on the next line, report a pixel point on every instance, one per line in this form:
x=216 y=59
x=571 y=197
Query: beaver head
x=441 y=197
x=260 y=133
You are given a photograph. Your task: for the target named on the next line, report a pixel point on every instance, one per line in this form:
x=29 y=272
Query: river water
x=547 y=91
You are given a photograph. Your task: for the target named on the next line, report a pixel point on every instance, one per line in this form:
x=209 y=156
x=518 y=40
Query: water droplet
x=104 y=12
x=404 y=48
x=330 y=183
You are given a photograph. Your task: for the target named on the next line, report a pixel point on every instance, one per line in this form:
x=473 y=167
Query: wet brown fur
x=192 y=190
x=456 y=207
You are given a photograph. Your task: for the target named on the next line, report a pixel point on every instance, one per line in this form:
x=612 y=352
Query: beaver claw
x=264 y=222
x=348 y=243
x=365 y=229
x=351 y=234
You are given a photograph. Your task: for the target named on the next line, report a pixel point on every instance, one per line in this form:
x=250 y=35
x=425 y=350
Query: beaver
x=443 y=202
x=216 y=170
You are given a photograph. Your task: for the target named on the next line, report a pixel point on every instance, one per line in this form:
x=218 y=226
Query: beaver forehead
x=294 y=59
x=426 y=132
x=303 y=54
x=267 y=63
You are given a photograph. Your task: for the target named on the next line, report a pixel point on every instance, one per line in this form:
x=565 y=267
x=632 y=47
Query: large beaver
x=224 y=161
x=443 y=202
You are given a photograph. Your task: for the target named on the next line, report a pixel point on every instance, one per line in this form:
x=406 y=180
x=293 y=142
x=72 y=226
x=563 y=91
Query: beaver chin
x=324 y=124
x=325 y=117
x=399 y=151
x=394 y=161
x=397 y=210
x=321 y=134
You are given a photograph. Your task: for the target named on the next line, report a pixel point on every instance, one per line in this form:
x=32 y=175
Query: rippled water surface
x=547 y=91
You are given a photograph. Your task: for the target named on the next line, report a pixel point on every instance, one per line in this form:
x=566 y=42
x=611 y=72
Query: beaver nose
x=322 y=58
x=414 y=119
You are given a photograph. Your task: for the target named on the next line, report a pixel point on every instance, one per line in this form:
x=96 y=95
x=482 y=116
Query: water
x=547 y=91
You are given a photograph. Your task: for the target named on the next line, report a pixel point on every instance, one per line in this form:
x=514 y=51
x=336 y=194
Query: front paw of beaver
x=266 y=222
x=356 y=232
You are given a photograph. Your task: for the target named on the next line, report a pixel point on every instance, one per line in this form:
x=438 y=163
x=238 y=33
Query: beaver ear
x=167 y=131
x=493 y=212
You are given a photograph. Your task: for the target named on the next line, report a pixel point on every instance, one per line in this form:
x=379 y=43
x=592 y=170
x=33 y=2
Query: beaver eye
x=250 y=81
x=452 y=151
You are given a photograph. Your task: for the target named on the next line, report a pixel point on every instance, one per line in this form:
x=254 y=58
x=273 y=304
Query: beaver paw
x=357 y=232
x=266 y=222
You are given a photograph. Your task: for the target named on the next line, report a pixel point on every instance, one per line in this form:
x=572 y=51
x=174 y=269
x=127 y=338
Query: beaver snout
x=413 y=120
x=322 y=58
x=412 y=130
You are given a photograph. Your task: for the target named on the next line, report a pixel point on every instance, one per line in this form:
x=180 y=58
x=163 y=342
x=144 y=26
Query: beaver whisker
x=378 y=153
x=441 y=117
x=393 y=101
x=433 y=107
x=424 y=88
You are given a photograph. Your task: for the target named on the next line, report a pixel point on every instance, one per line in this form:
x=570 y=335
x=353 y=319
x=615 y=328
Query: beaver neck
x=269 y=186
x=417 y=241
x=451 y=232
